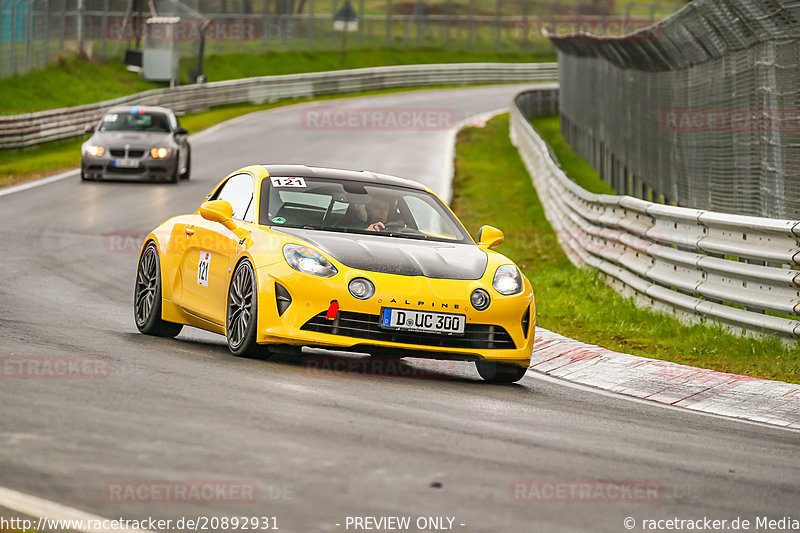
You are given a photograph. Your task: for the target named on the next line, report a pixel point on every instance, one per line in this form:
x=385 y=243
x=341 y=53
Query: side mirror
x=181 y=131
x=218 y=211
x=89 y=128
x=490 y=237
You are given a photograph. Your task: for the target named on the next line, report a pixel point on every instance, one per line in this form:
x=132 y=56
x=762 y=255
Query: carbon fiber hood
x=405 y=257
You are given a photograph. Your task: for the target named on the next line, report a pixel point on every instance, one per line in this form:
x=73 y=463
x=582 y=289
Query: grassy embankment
x=492 y=187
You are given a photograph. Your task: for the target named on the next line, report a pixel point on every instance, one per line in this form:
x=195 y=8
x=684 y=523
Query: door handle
x=189 y=230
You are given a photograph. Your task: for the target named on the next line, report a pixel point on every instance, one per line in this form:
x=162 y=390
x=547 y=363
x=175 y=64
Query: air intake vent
x=283 y=299
x=363 y=326
x=526 y=322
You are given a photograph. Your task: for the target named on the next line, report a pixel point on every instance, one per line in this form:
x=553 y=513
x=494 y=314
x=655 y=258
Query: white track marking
x=38 y=183
x=35 y=508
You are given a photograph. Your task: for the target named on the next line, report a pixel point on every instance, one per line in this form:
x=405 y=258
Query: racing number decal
x=202 y=268
x=288 y=182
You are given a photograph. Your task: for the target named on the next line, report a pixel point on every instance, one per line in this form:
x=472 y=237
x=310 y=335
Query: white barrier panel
x=739 y=271
x=17 y=131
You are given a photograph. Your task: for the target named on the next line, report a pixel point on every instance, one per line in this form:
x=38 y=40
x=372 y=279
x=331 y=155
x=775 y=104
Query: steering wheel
x=399 y=227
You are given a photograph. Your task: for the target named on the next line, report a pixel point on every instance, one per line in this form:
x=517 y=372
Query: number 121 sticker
x=202 y=268
x=288 y=182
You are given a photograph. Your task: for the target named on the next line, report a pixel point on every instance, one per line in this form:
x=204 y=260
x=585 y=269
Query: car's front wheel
x=147 y=296
x=187 y=169
x=242 y=313
x=500 y=372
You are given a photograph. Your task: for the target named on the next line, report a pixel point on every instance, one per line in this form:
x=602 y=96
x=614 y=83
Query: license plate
x=424 y=321
x=126 y=163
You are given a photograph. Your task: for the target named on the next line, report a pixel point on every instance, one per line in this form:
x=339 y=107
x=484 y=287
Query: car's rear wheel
x=500 y=372
x=147 y=296
x=242 y=315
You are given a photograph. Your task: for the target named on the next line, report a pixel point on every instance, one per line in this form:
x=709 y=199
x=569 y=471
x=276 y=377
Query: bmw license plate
x=424 y=321
x=126 y=163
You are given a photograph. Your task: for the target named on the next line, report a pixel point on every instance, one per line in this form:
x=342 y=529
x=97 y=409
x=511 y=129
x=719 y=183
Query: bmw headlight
x=159 y=153
x=308 y=261
x=507 y=280
x=95 y=151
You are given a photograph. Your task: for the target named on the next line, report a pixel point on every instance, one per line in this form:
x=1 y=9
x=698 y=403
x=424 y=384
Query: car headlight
x=361 y=288
x=308 y=261
x=159 y=153
x=480 y=299
x=95 y=151
x=507 y=280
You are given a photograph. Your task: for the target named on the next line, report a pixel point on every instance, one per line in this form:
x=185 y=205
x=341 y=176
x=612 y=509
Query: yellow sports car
x=281 y=257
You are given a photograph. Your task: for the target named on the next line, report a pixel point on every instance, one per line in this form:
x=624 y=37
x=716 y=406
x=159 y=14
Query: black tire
x=147 y=296
x=241 y=318
x=500 y=372
x=188 y=171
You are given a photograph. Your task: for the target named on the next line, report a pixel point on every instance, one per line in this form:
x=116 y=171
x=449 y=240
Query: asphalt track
x=321 y=445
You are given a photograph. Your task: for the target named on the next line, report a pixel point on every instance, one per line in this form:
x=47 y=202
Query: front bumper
x=147 y=168
x=504 y=332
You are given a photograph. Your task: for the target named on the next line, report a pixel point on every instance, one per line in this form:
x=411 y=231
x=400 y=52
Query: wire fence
x=738 y=271
x=34 y=33
x=701 y=110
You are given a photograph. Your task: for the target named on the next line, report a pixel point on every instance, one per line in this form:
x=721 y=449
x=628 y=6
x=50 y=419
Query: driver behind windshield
x=378 y=213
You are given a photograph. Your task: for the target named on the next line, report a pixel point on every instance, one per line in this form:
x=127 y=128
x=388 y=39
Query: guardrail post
x=497 y=29
x=389 y=13
x=448 y=23
x=79 y=26
x=472 y=27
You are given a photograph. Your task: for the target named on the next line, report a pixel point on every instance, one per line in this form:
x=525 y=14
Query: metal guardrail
x=17 y=131
x=737 y=270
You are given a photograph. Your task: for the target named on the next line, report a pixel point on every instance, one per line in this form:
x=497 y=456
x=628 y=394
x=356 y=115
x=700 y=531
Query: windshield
x=355 y=207
x=153 y=122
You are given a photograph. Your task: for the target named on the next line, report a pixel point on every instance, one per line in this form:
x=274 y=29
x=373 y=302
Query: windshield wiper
x=413 y=236
x=418 y=237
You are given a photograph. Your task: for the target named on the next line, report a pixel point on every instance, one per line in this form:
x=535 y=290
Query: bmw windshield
x=356 y=207
x=136 y=121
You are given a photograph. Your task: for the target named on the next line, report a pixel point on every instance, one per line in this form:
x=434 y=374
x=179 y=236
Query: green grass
x=492 y=187
x=242 y=65
x=70 y=81
x=75 y=80
x=30 y=163
x=573 y=165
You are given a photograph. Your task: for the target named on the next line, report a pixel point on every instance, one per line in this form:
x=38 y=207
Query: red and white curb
x=698 y=389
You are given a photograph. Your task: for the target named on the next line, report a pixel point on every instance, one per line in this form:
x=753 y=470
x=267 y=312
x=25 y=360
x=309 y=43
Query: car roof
x=146 y=108
x=364 y=176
